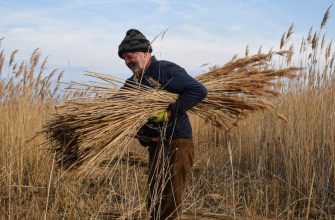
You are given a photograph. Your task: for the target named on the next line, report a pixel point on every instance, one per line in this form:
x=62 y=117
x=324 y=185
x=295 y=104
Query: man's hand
x=159 y=117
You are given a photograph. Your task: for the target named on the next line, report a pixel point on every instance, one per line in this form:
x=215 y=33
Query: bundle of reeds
x=104 y=121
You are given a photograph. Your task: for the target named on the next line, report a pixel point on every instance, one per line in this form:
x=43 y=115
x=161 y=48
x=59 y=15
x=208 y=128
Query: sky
x=84 y=35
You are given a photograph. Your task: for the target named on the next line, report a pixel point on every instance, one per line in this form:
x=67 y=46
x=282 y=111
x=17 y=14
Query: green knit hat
x=134 y=41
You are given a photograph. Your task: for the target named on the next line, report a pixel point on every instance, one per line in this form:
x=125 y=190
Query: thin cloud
x=85 y=34
x=163 y=5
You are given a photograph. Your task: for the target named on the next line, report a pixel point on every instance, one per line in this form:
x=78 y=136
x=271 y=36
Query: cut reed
x=106 y=119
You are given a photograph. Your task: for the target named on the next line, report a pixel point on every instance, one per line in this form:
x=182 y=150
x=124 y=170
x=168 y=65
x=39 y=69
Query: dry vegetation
x=268 y=167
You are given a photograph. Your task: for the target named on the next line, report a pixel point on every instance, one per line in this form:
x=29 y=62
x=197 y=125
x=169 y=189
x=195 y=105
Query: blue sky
x=81 y=35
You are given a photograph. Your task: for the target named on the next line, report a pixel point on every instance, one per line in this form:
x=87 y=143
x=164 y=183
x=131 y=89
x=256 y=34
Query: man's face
x=136 y=61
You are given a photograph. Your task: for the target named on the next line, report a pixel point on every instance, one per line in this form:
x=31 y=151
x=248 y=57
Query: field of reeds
x=277 y=164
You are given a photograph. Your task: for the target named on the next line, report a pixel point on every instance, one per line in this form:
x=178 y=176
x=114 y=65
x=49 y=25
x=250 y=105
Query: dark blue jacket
x=175 y=79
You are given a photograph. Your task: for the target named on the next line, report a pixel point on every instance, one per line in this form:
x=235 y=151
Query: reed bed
x=263 y=169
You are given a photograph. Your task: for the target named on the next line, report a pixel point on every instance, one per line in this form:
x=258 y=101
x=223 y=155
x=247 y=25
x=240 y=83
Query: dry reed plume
x=21 y=81
x=85 y=130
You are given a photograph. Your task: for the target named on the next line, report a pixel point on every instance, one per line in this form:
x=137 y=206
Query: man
x=168 y=134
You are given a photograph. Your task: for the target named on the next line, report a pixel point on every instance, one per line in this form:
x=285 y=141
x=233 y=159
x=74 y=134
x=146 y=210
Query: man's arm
x=190 y=91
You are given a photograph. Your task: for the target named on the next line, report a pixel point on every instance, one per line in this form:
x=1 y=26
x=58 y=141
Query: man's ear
x=147 y=54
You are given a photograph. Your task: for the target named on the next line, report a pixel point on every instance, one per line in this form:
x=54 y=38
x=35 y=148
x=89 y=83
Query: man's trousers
x=169 y=164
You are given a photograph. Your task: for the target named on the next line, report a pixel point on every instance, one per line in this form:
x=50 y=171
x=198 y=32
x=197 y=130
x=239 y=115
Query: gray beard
x=137 y=77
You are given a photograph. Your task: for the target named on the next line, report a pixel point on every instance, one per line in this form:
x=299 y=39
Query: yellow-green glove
x=159 y=117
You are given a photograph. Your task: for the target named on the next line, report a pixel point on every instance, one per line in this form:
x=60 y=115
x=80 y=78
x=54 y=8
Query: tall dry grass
x=265 y=168
x=282 y=168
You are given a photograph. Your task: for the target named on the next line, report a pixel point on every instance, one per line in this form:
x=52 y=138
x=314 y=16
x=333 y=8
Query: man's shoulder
x=164 y=71
x=169 y=64
x=164 y=64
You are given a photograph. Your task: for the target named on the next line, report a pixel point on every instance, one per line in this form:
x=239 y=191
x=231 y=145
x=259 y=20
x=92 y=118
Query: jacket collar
x=151 y=66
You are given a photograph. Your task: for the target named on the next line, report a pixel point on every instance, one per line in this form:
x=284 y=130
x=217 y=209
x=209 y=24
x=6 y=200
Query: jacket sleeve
x=190 y=91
